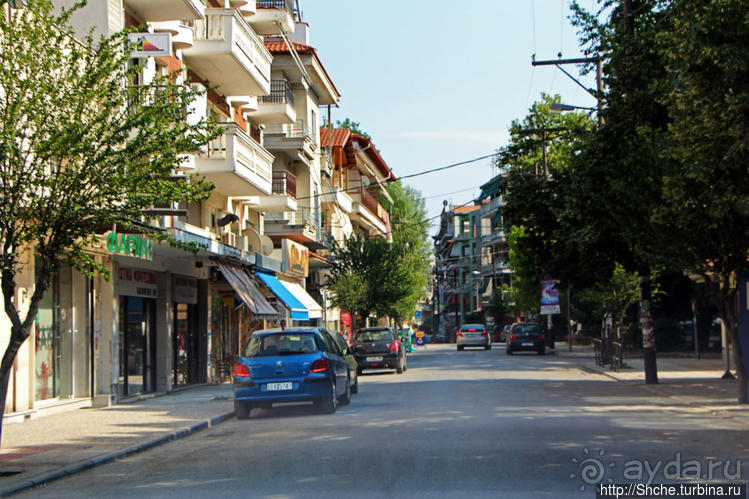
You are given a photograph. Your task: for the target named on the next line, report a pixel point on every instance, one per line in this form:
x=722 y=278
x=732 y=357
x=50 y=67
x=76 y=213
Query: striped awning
x=242 y=284
x=296 y=308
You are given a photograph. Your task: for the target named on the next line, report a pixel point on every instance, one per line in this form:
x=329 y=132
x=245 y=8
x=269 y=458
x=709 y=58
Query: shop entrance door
x=186 y=344
x=137 y=342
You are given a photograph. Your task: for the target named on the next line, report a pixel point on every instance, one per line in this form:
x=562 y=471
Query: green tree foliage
x=390 y=278
x=526 y=285
x=612 y=296
x=79 y=151
x=349 y=125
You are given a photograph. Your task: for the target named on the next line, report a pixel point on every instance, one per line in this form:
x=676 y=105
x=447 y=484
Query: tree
x=705 y=190
x=526 y=287
x=98 y=154
x=613 y=296
x=349 y=125
x=388 y=278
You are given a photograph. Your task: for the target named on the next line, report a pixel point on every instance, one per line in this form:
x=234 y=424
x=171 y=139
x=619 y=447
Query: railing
x=276 y=4
x=284 y=183
x=280 y=93
x=296 y=130
x=215 y=27
x=368 y=201
x=608 y=352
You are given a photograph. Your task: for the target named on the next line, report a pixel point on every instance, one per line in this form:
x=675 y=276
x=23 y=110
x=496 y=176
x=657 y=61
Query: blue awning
x=298 y=310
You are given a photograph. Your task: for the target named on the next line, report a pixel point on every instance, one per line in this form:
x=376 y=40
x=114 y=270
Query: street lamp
x=556 y=107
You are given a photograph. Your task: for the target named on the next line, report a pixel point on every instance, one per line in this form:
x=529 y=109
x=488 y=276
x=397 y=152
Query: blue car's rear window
x=267 y=345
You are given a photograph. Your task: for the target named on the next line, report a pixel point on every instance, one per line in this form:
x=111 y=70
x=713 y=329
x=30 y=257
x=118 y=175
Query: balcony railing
x=296 y=130
x=275 y=4
x=284 y=183
x=369 y=201
x=280 y=93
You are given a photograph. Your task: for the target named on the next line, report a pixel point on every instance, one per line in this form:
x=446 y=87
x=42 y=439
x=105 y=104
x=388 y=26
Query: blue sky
x=439 y=82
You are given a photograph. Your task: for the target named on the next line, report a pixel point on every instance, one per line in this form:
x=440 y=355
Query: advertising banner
x=549 y=298
x=151 y=44
x=295 y=258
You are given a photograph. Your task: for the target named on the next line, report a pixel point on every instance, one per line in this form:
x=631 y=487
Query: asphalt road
x=456 y=424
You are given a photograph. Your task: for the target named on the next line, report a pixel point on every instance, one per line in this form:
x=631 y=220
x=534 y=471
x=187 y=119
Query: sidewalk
x=50 y=447
x=688 y=381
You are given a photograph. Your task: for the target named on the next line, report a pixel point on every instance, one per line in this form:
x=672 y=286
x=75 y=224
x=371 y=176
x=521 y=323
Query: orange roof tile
x=277 y=46
x=340 y=136
x=466 y=209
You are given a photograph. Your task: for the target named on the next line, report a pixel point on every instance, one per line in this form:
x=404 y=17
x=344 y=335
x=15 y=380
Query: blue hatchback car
x=290 y=365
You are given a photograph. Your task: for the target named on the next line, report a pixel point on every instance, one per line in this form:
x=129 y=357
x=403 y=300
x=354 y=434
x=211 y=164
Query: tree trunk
x=729 y=316
x=646 y=325
x=17 y=337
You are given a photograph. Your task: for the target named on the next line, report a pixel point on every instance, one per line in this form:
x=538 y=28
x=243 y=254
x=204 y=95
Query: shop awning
x=490 y=188
x=314 y=309
x=297 y=309
x=240 y=281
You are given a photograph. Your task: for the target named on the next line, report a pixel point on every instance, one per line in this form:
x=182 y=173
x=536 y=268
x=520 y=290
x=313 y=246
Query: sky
x=440 y=82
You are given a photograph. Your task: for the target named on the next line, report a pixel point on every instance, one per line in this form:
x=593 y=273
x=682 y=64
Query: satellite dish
x=253 y=239
x=266 y=245
x=365 y=182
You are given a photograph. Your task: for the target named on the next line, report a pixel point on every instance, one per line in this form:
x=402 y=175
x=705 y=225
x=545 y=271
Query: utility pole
x=598 y=93
x=543 y=131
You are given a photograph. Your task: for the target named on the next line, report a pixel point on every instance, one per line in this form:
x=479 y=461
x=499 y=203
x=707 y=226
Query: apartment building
x=167 y=317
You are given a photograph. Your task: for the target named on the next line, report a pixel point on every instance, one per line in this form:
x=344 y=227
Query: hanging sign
x=151 y=44
x=549 y=298
x=295 y=258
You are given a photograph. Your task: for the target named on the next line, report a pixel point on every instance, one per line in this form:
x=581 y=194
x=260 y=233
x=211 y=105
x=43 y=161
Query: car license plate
x=527 y=344
x=376 y=358
x=275 y=387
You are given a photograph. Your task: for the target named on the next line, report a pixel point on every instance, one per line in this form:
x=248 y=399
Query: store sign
x=134 y=282
x=295 y=258
x=151 y=44
x=130 y=245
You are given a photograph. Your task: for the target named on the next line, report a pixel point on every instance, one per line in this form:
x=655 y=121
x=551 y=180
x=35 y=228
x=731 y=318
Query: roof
x=465 y=209
x=340 y=136
x=277 y=46
x=345 y=138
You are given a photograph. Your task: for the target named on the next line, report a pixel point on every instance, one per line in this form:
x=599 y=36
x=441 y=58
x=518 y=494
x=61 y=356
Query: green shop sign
x=130 y=245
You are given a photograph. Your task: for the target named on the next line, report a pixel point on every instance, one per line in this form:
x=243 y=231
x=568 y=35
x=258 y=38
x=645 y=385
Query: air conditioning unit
x=229 y=238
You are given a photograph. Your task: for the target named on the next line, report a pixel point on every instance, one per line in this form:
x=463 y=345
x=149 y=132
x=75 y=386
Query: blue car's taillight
x=320 y=366
x=241 y=370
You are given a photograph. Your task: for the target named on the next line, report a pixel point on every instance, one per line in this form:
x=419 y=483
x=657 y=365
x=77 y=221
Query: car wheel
x=399 y=367
x=488 y=347
x=355 y=387
x=359 y=371
x=460 y=348
x=329 y=404
x=345 y=399
x=242 y=409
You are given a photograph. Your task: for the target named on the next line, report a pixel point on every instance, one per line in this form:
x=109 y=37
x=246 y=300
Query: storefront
x=138 y=291
x=186 y=354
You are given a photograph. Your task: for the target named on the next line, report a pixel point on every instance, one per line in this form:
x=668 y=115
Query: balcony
x=278 y=106
x=301 y=226
x=236 y=163
x=181 y=31
x=295 y=139
x=167 y=10
x=368 y=212
x=227 y=52
x=270 y=12
x=283 y=196
x=337 y=197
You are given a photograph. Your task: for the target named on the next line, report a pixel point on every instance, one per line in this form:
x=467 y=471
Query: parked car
x=473 y=335
x=377 y=348
x=525 y=336
x=350 y=360
x=290 y=365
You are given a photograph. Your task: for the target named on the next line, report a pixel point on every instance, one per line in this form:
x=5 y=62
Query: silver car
x=474 y=335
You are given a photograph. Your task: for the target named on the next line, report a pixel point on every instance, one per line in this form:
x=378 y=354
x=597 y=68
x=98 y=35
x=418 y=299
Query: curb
x=112 y=456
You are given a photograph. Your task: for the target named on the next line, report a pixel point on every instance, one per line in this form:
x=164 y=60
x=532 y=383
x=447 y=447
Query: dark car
x=290 y=365
x=525 y=336
x=350 y=360
x=377 y=348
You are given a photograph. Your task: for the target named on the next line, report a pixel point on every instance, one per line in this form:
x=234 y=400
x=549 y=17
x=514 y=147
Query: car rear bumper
x=389 y=361
x=520 y=345
x=473 y=341
x=303 y=389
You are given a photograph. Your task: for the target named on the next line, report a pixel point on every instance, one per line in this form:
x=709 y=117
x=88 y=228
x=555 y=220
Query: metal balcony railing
x=296 y=130
x=368 y=201
x=276 y=4
x=280 y=93
x=284 y=183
